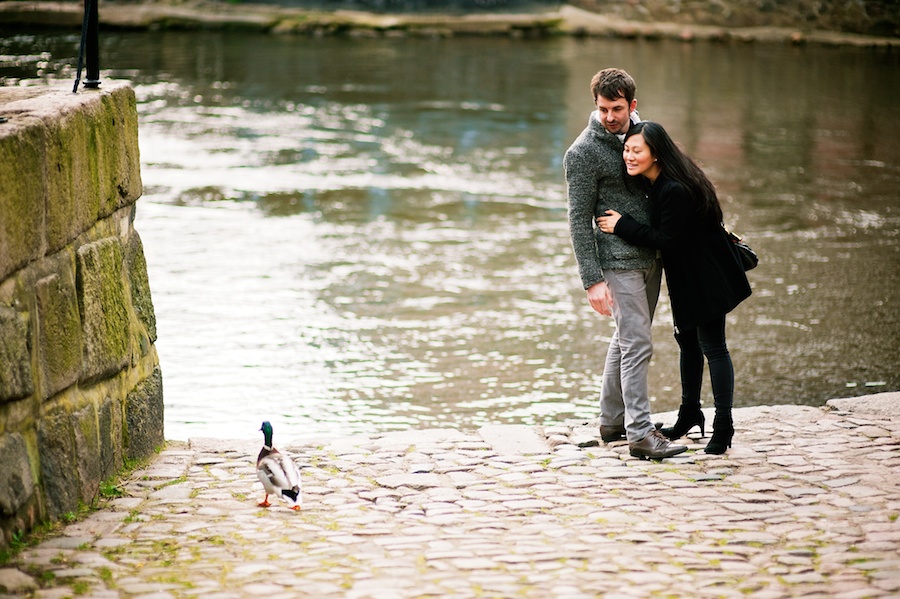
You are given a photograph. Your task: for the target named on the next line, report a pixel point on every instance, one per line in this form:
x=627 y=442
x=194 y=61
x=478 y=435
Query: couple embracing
x=638 y=205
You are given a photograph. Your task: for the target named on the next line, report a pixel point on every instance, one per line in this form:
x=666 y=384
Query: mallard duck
x=277 y=472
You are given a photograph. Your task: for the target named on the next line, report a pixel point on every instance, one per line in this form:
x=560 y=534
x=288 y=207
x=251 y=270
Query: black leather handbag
x=745 y=253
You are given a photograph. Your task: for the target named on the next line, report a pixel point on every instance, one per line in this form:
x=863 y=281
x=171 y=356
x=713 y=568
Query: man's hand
x=600 y=298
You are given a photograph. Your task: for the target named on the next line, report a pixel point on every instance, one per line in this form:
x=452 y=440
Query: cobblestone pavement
x=805 y=504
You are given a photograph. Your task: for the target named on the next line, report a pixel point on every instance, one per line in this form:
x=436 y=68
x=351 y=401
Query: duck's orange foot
x=296 y=508
x=264 y=502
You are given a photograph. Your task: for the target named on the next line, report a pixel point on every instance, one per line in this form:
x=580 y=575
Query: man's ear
x=633 y=105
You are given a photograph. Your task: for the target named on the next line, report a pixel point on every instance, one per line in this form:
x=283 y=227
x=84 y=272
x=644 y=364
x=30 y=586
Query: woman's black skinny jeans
x=707 y=340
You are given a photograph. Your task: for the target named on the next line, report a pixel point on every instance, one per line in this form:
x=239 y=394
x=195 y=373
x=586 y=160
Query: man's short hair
x=613 y=84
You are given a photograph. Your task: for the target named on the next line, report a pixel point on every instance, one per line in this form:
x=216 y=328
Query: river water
x=361 y=235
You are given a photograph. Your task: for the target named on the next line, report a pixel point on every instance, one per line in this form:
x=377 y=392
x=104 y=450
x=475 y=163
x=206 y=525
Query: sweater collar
x=596 y=125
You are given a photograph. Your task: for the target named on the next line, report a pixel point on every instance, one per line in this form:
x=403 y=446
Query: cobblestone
x=805 y=504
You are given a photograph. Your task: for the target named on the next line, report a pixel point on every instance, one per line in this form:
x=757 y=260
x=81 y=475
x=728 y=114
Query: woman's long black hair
x=677 y=165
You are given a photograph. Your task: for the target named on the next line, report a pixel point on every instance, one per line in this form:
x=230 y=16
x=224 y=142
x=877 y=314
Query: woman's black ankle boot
x=689 y=416
x=723 y=431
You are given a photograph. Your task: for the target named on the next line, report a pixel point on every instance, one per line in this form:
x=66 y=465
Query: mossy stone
x=109 y=418
x=16 y=379
x=87 y=452
x=59 y=328
x=22 y=199
x=16 y=483
x=144 y=417
x=72 y=179
x=140 y=286
x=57 y=454
x=102 y=306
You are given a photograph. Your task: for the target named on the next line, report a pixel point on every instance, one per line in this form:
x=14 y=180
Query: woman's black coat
x=703 y=271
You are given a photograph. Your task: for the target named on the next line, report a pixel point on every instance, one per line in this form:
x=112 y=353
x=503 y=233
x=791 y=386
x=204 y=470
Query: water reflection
x=358 y=235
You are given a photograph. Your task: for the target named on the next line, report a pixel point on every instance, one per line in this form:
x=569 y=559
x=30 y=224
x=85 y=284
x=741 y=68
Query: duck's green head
x=266 y=428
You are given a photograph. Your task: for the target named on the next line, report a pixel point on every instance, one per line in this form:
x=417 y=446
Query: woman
x=703 y=272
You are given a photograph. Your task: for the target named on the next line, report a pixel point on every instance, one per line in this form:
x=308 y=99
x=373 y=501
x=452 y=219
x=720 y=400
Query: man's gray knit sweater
x=597 y=182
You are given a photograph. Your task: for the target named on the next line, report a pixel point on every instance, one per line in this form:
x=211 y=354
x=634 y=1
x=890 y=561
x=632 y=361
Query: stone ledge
x=568 y=20
x=66 y=160
x=880 y=404
x=512 y=439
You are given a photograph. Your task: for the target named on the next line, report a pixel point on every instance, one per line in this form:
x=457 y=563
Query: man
x=621 y=280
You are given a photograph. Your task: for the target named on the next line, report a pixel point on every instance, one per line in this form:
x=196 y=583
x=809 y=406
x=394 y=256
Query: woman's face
x=639 y=160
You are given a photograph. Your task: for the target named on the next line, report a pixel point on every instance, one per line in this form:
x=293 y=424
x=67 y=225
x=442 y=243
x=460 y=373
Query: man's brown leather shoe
x=612 y=433
x=655 y=447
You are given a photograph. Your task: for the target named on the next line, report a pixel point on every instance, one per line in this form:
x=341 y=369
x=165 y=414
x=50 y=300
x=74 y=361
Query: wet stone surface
x=806 y=503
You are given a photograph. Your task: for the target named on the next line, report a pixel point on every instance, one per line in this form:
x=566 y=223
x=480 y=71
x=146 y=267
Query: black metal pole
x=90 y=45
x=93 y=45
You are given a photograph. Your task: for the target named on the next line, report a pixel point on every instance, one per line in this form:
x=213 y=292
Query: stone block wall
x=80 y=382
